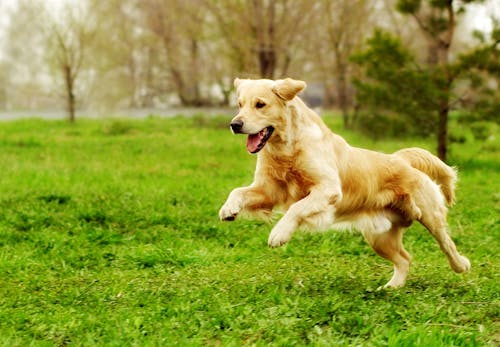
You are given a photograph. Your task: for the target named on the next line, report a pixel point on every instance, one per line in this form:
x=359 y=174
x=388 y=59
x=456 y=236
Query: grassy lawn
x=109 y=235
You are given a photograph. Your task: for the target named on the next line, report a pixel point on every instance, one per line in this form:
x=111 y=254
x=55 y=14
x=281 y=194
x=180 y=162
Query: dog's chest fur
x=294 y=181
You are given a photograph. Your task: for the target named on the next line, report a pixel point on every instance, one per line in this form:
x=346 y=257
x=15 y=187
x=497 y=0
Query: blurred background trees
x=388 y=66
x=420 y=93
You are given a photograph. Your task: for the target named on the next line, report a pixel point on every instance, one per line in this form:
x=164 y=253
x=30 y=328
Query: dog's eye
x=260 y=104
x=240 y=104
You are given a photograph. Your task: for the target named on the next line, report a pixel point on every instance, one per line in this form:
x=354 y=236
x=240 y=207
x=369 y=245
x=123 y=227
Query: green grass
x=109 y=235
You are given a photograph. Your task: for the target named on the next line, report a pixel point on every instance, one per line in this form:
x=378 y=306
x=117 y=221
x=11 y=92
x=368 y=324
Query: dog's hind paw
x=462 y=264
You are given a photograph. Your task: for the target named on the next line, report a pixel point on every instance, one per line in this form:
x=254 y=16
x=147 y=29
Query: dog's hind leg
x=435 y=222
x=408 y=206
x=389 y=245
x=434 y=214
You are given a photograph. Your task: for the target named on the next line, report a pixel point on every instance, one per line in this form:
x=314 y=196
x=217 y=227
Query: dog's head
x=262 y=108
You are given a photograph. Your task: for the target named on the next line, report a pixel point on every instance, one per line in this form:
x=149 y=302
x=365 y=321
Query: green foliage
x=481 y=67
x=115 y=240
x=116 y=127
x=438 y=24
x=382 y=124
x=396 y=86
x=483 y=130
x=435 y=21
x=495 y=34
x=441 y=4
x=399 y=97
x=484 y=58
x=408 y=6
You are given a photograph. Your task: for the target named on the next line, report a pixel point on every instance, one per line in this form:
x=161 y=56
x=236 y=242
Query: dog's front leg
x=319 y=201
x=250 y=199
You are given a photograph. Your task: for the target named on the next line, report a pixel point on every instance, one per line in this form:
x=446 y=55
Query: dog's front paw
x=278 y=238
x=228 y=212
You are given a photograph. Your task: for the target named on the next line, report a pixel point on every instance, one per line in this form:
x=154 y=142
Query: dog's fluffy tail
x=433 y=167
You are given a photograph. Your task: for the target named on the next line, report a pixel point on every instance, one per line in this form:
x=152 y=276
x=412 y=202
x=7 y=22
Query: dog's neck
x=285 y=139
x=297 y=119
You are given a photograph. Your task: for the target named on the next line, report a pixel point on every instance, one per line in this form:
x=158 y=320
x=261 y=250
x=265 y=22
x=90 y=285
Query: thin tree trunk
x=444 y=104
x=70 y=94
x=442 y=135
x=329 y=95
x=437 y=55
x=194 y=85
x=264 y=30
x=267 y=62
x=342 y=94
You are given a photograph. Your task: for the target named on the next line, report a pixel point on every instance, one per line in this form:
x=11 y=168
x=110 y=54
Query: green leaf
x=408 y=6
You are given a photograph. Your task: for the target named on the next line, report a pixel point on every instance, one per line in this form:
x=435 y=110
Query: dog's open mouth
x=256 y=142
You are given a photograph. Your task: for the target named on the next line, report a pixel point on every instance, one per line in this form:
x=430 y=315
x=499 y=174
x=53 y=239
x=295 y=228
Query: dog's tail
x=433 y=167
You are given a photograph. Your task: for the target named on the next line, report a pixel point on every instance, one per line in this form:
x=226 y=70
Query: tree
x=438 y=22
x=342 y=35
x=482 y=69
x=264 y=37
x=51 y=48
x=3 y=85
x=68 y=37
x=426 y=89
x=124 y=55
x=178 y=26
x=400 y=96
x=24 y=52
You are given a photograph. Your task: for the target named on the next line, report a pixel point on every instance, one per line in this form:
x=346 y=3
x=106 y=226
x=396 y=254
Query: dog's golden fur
x=323 y=182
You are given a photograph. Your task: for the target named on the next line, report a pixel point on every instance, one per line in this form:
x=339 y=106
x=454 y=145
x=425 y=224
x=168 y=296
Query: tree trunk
x=180 y=87
x=70 y=94
x=342 y=93
x=444 y=104
x=194 y=85
x=329 y=95
x=226 y=92
x=442 y=134
x=437 y=56
x=264 y=29
x=267 y=62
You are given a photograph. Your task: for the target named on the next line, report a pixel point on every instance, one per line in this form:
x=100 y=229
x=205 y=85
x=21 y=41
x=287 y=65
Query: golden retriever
x=322 y=182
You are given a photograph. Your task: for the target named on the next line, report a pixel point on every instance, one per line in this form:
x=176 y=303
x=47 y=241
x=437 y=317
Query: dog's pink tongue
x=253 y=142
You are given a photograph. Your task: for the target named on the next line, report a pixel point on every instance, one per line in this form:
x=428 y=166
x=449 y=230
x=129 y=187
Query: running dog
x=322 y=182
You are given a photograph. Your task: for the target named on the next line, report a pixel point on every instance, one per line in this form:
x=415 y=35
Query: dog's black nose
x=236 y=126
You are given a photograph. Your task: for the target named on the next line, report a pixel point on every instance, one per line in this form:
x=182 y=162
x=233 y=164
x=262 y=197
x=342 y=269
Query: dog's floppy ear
x=288 y=88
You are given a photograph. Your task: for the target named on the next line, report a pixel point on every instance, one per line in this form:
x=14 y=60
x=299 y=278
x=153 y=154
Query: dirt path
x=128 y=113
